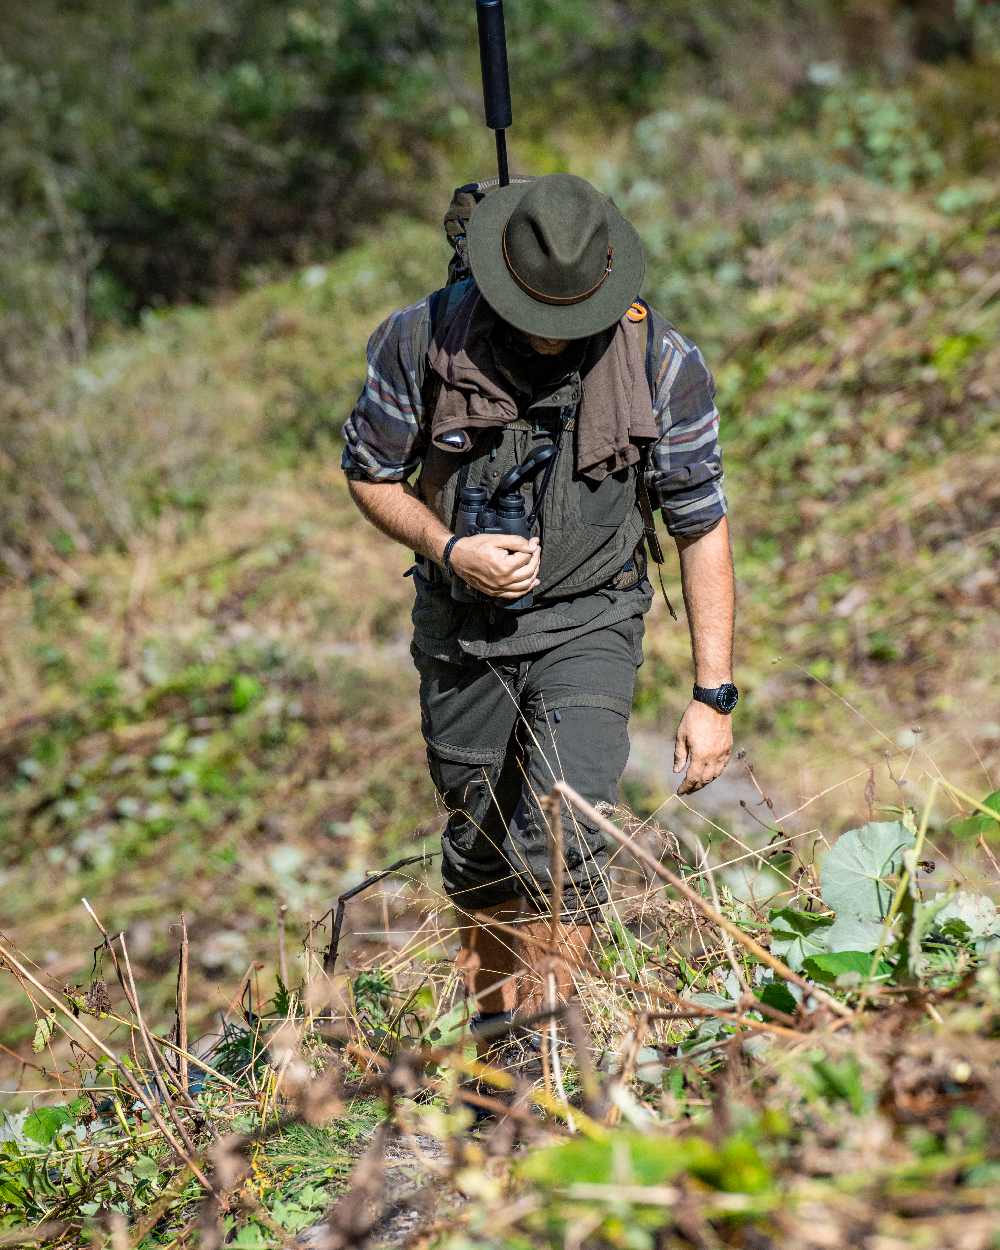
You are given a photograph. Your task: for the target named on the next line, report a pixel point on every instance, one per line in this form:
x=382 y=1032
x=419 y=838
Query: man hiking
x=527 y=646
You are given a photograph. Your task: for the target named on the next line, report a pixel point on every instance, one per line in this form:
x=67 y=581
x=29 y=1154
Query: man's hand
x=503 y=566
x=704 y=744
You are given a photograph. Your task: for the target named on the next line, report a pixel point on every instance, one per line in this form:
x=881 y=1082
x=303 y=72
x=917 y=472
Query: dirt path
x=410 y=1179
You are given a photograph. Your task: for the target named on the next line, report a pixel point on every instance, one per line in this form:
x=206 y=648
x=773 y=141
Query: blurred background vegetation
x=206 y=702
x=156 y=152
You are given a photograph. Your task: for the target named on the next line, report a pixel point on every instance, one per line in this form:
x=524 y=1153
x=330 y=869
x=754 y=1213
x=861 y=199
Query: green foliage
x=623 y=950
x=235 y=134
x=777 y=994
x=795 y=935
x=65 y=1157
x=828 y=968
x=43 y=1032
x=856 y=876
x=602 y=1176
x=969 y=919
x=979 y=824
x=626 y=1158
x=372 y=995
x=241 y=1052
x=234 y=137
x=880 y=133
x=858 y=879
x=44 y=1123
x=829 y=246
x=842 y=1080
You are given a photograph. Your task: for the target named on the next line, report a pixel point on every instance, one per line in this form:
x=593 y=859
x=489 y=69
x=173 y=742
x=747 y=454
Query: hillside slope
x=206 y=701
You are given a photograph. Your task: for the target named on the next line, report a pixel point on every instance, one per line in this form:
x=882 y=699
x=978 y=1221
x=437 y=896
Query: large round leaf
x=854 y=933
x=854 y=877
x=795 y=935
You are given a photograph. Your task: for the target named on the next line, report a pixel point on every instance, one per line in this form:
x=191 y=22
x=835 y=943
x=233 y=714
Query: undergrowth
x=826 y=1051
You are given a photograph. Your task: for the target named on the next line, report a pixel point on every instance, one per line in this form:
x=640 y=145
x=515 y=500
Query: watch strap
x=710 y=695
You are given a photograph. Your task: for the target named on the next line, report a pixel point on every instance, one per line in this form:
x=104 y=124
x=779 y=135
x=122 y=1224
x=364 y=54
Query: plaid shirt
x=385 y=436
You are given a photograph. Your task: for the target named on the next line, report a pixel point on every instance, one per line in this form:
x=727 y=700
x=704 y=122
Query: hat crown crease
x=547 y=255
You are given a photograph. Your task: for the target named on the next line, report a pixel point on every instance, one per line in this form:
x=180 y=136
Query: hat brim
x=597 y=312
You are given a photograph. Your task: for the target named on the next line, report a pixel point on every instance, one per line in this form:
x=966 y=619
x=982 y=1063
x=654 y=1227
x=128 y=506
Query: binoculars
x=503 y=512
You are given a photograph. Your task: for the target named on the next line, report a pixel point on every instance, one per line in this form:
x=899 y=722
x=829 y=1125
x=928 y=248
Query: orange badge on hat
x=637 y=312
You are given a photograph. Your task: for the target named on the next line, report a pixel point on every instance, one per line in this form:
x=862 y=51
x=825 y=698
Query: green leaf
x=625 y=1158
x=841 y=1081
x=649 y=1066
x=12 y=1195
x=291 y=1216
x=312 y=1197
x=43 y=1032
x=282 y=999
x=622 y=950
x=826 y=968
x=739 y=1169
x=923 y=921
x=246 y=690
x=249 y=1238
x=778 y=996
x=44 y=1123
x=855 y=875
x=449 y=1027
x=979 y=824
x=146 y=1168
x=795 y=935
x=854 y=933
x=705 y=998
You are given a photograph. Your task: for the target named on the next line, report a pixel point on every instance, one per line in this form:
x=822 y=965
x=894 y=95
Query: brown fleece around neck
x=615 y=409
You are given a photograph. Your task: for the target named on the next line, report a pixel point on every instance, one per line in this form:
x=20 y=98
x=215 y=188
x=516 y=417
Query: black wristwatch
x=723 y=698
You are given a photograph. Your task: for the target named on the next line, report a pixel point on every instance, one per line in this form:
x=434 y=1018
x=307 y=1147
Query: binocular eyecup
x=502 y=513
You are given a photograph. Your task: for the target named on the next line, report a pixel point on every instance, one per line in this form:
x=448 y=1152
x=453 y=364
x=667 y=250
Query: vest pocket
x=605 y=502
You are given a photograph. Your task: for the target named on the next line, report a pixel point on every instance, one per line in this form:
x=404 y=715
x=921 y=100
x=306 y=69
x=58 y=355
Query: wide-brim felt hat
x=554 y=257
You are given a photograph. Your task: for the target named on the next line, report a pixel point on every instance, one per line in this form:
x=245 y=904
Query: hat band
x=554 y=299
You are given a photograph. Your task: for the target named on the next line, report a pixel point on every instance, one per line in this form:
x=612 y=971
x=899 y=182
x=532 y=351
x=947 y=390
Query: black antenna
x=496 y=80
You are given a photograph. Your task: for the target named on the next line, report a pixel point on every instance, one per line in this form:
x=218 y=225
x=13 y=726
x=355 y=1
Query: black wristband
x=446 y=554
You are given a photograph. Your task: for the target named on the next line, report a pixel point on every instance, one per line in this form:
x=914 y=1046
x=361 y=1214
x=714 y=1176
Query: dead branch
x=682 y=887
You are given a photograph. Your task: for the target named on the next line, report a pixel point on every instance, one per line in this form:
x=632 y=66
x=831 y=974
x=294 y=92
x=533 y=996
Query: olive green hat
x=554 y=257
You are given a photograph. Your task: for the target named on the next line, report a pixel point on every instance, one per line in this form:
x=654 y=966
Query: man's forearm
x=393 y=508
x=709 y=596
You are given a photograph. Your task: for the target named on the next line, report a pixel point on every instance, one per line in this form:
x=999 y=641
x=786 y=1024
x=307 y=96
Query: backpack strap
x=430 y=384
x=642 y=491
x=440 y=307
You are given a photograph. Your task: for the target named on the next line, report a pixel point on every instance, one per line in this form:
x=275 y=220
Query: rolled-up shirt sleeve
x=685 y=475
x=382 y=436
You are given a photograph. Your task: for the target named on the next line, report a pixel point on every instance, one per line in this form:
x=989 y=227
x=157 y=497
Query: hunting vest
x=588 y=529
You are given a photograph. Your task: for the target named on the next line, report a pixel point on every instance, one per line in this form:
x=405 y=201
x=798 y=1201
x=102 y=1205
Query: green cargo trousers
x=499 y=734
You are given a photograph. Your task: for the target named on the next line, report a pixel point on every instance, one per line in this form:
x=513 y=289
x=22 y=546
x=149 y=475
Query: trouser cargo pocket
x=475 y=869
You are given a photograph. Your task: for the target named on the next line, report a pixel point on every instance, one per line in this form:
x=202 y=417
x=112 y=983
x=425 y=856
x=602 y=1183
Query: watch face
x=727 y=697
